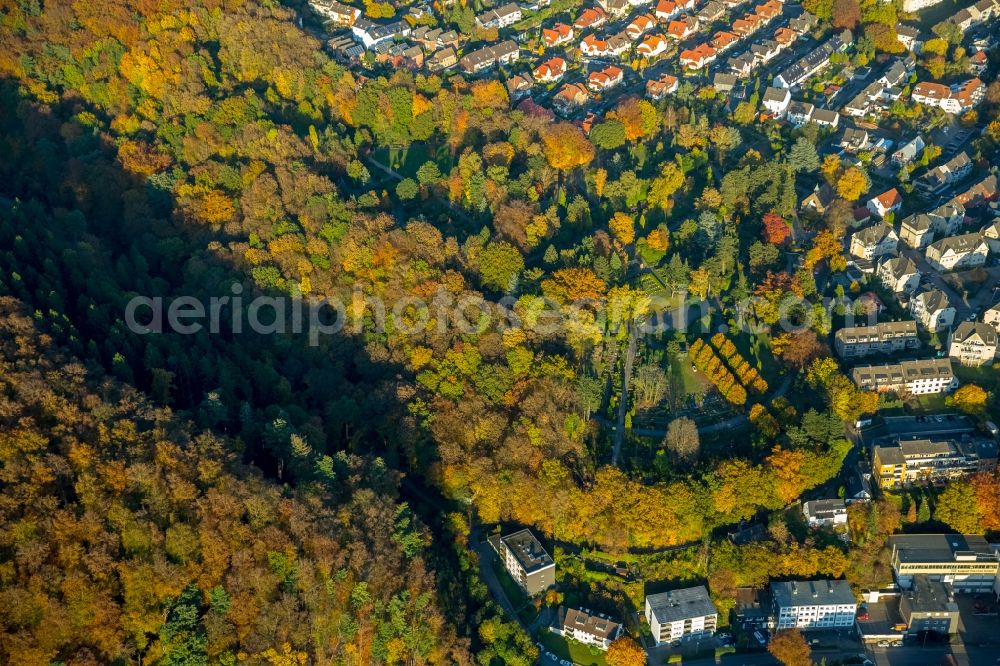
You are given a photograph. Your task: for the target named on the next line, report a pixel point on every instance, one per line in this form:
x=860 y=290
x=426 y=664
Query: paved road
x=963 y=307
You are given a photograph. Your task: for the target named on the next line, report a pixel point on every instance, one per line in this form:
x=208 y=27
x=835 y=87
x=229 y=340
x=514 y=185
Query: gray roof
x=813 y=593
x=939 y=547
x=682 y=604
x=934 y=300
x=885 y=330
x=528 y=550
x=592 y=623
x=899 y=267
x=873 y=234
x=773 y=94
x=824 y=116
x=917 y=222
x=962 y=243
x=824 y=506
x=907 y=30
x=967 y=329
x=930 y=596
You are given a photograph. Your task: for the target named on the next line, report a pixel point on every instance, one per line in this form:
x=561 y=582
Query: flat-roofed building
x=680 y=613
x=587 y=626
x=925 y=460
x=813 y=604
x=919 y=377
x=526 y=561
x=966 y=562
x=886 y=337
x=929 y=606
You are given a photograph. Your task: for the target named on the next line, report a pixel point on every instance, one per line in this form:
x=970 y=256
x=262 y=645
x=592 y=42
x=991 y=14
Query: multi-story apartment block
x=899 y=275
x=883 y=338
x=956 y=99
x=992 y=316
x=501 y=17
x=931 y=461
x=965 y=562
x=933 y=310
x=490 y=56
x=920 y=377
x=813 y=604
x=958 y=252
x=973 y=343
x=526 y=561
x=587 y=626
x=929 y=606
x=943 y=175
x=917 y=230
x=873 y=242
x=679 y=613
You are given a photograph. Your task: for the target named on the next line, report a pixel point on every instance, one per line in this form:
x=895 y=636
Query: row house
x=887 y=337
x=785 y=37
x=803 y=23
x=698 y=57
x=399 y=56
x=765 y=51
x=742 y=66
x=590 y=18
x=748 y=25
x=711 y=12
x=928 y=460
x=442 y=60
x=933 y=310
x=652 y=46
x=873 y=242
x=501 y=17
x=973 y=343
x=958 y=252
x=571 y=96
x=659 y=88
x=550 y=70
x=799 y=113
x=981 y=193
x=956 y=99
x=889 y=201
x=490 y=56
x=558 y=35
x=609 y=77
x=681 y=29
x=898 y=274
x=944 y=175
x=639 y=26
x=813 y=61
x=435 y=38
x=918 y=377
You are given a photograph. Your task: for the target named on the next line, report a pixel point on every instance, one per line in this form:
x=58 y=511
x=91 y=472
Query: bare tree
x=682 y=439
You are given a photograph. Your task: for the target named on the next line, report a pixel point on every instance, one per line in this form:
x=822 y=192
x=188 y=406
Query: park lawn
x=407 y=159
x=575 y=651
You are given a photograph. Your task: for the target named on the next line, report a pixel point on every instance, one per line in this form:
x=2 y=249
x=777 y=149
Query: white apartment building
x=919 y=377
x=814 y=604
x=873 y=242
x=933 y=310
x=680 y=613
x=958 y=252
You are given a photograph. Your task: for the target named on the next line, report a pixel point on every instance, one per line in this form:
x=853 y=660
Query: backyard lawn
x=576 y=652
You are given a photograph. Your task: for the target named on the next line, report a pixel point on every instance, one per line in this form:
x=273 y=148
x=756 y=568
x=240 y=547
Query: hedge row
x=745 y=373
x=706 y=360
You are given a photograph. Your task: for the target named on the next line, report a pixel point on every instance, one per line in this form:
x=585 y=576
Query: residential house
x=944 y=175
x=587 y=627
x=813 y=61
x=399 y=55
x=652 y=46
x=825 y=118
x=741 y=65
x=488 y=57
x=369 y=33
x=570 y=96
x=518 y=86
x=785 y=37
x=724 y=83
x=723 y=40
x=887 y=337
x=753 y=608
x=978 y=62
x=679 y=613
x=991 y=232
x=661 y=87
x=922 y=460
x=855 y=140
x=558 y=35
x=803 y=23
x=524 y=558
x=435 y=38
x=933 y=310
x=909 y=37
x=873 y=242
x=698 y=57
x=681 y=29
x=594 y=46
x=337 y=13
x=966 y=562
x=896 y=75
x=973 y=343
x=667 y=10
x=825 y=512
x=776 y=101
x=443 y=59
x=639 y=26
x=813 y=605
x=765 y=51
x=590 y=18
x=799 y=113
x=888 y=202
x=550 y=70
x=916 y=230
x=918 y=377
x=956 y=99
x=615 y=8
x=947 y=218
x=609 y=77
x=899 y=274
x=992 y=316
x=501 y=17
x=712 y=11
x=820 y=199
x=981 y=193
x=858 y=487
x=908 y=152
x=958 y=252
